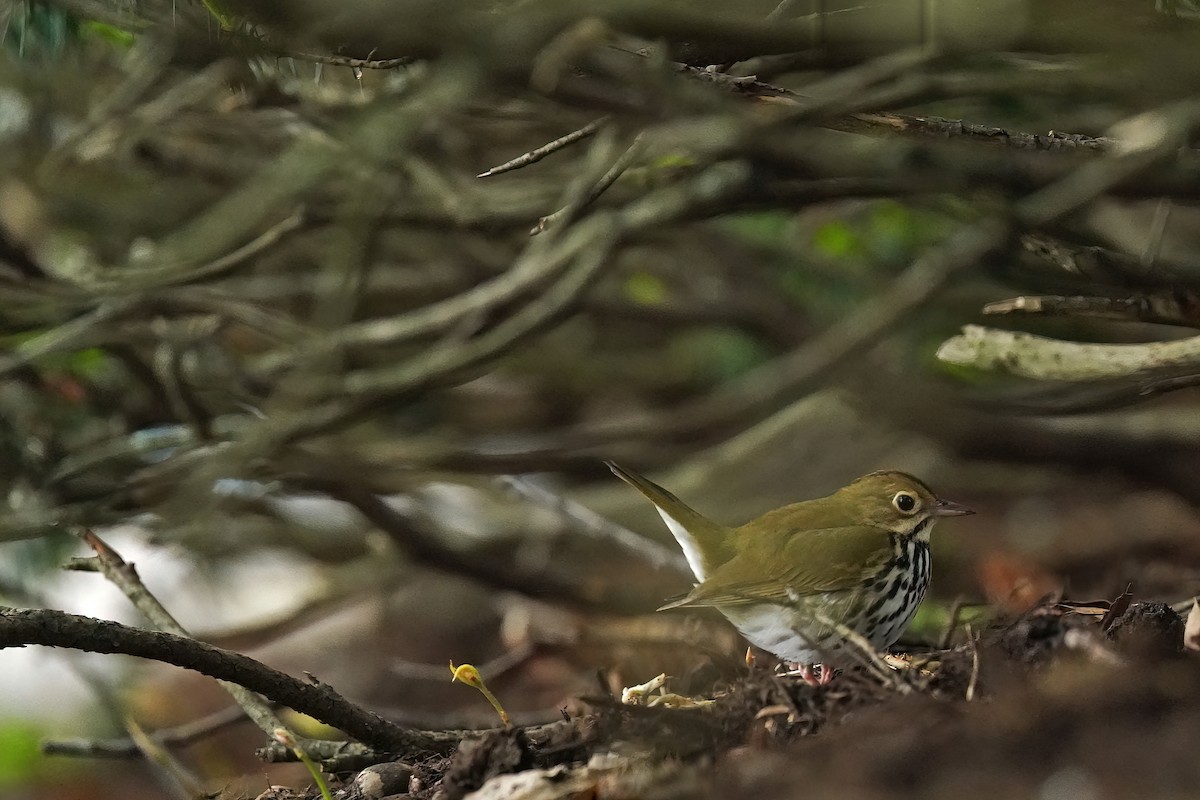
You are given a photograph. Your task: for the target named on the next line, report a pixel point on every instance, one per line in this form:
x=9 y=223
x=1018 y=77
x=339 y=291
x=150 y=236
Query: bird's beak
x=946 y=508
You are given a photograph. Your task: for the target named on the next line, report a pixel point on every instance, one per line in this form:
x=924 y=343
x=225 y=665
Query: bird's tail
x=705 y=544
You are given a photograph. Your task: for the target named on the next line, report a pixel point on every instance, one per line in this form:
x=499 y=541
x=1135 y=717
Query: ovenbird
x=787 y=580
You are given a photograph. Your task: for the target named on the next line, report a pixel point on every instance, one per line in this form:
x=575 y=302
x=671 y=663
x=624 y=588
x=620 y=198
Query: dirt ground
x=1082 y=701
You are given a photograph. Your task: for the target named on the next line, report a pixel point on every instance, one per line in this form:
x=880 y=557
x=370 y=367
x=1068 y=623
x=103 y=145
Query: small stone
x=381 y=780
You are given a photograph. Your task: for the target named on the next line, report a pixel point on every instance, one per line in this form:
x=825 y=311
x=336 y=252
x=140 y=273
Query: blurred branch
x=1102 y=265
x=429 y=550
x=955 y=128
x=584 y=520
x=539 y=264
x=787 y=378
x=227 y=224
x=589 y=243
x=1180 y=308
x=178 y=736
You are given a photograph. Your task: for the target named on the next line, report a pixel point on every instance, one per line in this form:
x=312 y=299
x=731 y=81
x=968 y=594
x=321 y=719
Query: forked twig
x=124 y=575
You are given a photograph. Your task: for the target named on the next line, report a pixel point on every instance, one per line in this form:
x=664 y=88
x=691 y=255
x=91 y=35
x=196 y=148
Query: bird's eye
x=904 y=502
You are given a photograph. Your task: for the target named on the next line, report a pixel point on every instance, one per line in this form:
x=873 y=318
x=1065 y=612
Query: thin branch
x=1006 y=137
x=353 y=63
x=541 y=262
x=429 y=550
x=1101 y=265
x=564 y=214
x=134 y=279
x=849 y=90
x=803 y=370
x=178 y=736
x=534 y=156
x=1180 y=308
x=589 y=244
x=973 y=683
x=124 y=575
x=20 y=627
x=338 y=756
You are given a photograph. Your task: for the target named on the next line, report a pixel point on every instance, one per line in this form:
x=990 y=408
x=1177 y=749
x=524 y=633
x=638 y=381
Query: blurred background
x=284 y=323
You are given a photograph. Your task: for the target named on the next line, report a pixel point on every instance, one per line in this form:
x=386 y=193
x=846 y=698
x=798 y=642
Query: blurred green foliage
x=718 y=353
x=20 y=753
x=933 y=617
x=26 y=563
x=36 y=30
x=646 y=289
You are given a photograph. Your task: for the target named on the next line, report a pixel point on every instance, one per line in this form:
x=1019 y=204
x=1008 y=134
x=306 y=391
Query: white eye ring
x=904 y=502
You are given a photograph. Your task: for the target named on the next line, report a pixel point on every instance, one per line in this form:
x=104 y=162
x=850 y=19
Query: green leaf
x=674 y=161
x=109 y=33
x=646 y=289
x=836 y=239
x=88 y=363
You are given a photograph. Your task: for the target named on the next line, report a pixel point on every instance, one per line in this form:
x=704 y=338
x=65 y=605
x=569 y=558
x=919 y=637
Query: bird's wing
x=803 y=563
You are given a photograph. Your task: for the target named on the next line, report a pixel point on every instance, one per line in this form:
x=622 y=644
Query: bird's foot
x=812 y=674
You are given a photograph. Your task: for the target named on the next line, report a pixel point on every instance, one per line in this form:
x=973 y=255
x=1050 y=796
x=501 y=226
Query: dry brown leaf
x=1088 y=608
x=1117 y=608
x=1014 y=582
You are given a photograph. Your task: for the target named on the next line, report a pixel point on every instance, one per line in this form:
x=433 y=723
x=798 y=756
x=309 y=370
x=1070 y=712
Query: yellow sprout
x=285 y=738
x=470 y=676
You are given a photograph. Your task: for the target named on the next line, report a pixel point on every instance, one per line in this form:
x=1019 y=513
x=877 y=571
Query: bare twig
x=1178 y=308
x=951 y=623
x=1100 y=265
x=610 y=177
x=353 y=63
x=870 y=656
x=20 y=627
x=973 y=683
x=534 y=156
x=125 y=577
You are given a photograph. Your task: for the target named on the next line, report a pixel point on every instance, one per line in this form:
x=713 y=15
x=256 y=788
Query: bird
x=794 y=580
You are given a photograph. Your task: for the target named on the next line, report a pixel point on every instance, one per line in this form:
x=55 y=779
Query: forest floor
x=1096 y=700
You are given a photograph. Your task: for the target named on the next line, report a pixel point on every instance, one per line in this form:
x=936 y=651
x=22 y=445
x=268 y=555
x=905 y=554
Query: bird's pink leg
x=809 y=676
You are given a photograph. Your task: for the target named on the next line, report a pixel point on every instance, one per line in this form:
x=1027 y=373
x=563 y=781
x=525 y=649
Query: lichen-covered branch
x=1038 y=357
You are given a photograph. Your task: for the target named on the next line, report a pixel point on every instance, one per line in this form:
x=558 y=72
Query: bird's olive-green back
x=781 y=566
